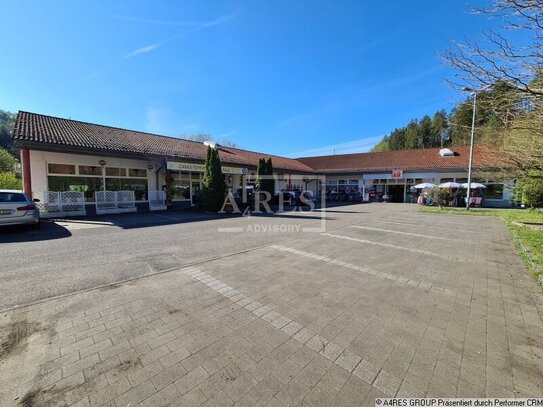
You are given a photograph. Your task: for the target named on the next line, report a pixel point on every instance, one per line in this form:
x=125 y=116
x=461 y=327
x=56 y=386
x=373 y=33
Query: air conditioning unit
x=445 y=152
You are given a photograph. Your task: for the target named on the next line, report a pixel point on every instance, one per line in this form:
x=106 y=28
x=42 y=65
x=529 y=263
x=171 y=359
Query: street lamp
x=474 y=93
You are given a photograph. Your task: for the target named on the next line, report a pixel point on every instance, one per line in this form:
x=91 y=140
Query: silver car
x=16 y=208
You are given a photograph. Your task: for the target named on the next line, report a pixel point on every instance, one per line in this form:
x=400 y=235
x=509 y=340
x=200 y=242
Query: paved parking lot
x=385 y=302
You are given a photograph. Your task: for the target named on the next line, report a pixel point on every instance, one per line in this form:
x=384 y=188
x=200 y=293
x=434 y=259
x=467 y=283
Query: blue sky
x=284 y=77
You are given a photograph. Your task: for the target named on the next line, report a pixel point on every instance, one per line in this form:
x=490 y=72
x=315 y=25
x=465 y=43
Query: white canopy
x=474 y=185
x=450 y=185
x=424 y=185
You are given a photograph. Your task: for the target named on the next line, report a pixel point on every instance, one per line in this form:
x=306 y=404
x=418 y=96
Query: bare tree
x=500 y=57
x=201 y=137
x=513 y=68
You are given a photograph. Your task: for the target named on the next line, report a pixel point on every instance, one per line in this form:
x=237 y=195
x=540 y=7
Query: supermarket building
x=92 y=168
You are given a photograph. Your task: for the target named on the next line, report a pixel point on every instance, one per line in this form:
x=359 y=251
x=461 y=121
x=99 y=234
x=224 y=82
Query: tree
x=7 y=160
x=213 y=186
x=383 y=145
x=509 y=61
x=9 y=180
x=439 y=128
x=270 y=181
x=502 y=57
x=412 y=135
x=7 y=120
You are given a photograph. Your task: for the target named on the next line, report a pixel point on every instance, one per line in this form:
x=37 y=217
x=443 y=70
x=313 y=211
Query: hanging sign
x=397 y=174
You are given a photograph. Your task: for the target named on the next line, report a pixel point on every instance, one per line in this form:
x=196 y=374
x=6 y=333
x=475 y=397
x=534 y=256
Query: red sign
x=397 y=174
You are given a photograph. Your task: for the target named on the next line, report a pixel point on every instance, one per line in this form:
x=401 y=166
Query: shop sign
x=397 y=174
x=181 y=166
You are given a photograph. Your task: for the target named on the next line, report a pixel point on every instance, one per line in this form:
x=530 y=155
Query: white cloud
x=354 y=146
x=148 y=48
x=142 y=50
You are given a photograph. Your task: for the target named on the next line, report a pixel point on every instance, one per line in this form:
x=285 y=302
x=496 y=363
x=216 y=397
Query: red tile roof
x=71 y=135
x=420 y=159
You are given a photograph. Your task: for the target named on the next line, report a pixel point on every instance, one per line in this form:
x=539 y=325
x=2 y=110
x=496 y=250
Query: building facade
x=88 y=160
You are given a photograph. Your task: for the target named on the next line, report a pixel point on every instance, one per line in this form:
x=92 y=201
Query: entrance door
x=395 y=193
x=194 y=192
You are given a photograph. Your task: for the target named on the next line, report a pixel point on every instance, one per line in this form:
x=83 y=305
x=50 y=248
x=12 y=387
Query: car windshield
x=12 y=197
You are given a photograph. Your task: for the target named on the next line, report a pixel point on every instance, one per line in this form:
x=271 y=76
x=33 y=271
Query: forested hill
x=455 y=127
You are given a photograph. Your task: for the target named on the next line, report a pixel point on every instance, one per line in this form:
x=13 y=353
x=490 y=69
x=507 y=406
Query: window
x=493 y=191
x=90 y=170
x=87 y=185
x=139 y=186
x=136 y=172
x=443 y=180
x=61 y=169
x=115 y=172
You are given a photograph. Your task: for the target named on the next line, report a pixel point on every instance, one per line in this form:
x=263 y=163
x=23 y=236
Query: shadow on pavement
x=48 y=231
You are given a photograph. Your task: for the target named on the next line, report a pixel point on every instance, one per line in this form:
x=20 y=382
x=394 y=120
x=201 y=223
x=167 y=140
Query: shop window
x=139 y=186
x=462 y=180
x=115 y=172
x=196 y=176
x=181 y=189
x=90 y=170
x=137 y=173
x=493 y=191
x=113 y=184
x=443 y=180
x=87 y=185
x=61 y=169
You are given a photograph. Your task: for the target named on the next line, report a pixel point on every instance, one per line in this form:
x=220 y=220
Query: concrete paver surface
x=385 y=302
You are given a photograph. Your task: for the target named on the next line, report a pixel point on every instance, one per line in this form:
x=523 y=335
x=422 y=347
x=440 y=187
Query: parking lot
x=188 y=310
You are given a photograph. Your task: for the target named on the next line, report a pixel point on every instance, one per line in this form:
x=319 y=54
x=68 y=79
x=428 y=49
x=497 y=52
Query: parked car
x=16 y=208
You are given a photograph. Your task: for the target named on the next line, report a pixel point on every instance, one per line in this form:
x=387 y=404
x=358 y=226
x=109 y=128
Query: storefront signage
x=193 y=167
x=397 y=174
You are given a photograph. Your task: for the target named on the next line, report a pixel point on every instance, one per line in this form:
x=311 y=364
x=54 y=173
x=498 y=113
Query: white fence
x=115 y=202
x=60 y=204
x=157 y=200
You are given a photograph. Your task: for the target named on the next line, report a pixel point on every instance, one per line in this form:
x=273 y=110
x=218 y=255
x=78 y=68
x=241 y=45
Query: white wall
x=40 y=159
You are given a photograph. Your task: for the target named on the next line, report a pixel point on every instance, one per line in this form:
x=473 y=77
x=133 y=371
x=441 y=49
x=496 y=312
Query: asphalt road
x=71 y=256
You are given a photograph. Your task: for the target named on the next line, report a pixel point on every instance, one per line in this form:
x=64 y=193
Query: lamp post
x=474 y=93
x=468 y=195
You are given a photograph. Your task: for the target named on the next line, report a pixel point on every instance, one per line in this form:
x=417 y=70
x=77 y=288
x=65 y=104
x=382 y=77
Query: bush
x=7 y=160
x=529 y=191
x=442 y=196
x=9 y=180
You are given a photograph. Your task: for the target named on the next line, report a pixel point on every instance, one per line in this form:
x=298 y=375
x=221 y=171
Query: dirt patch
x=13 y=337
x=174 y=311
